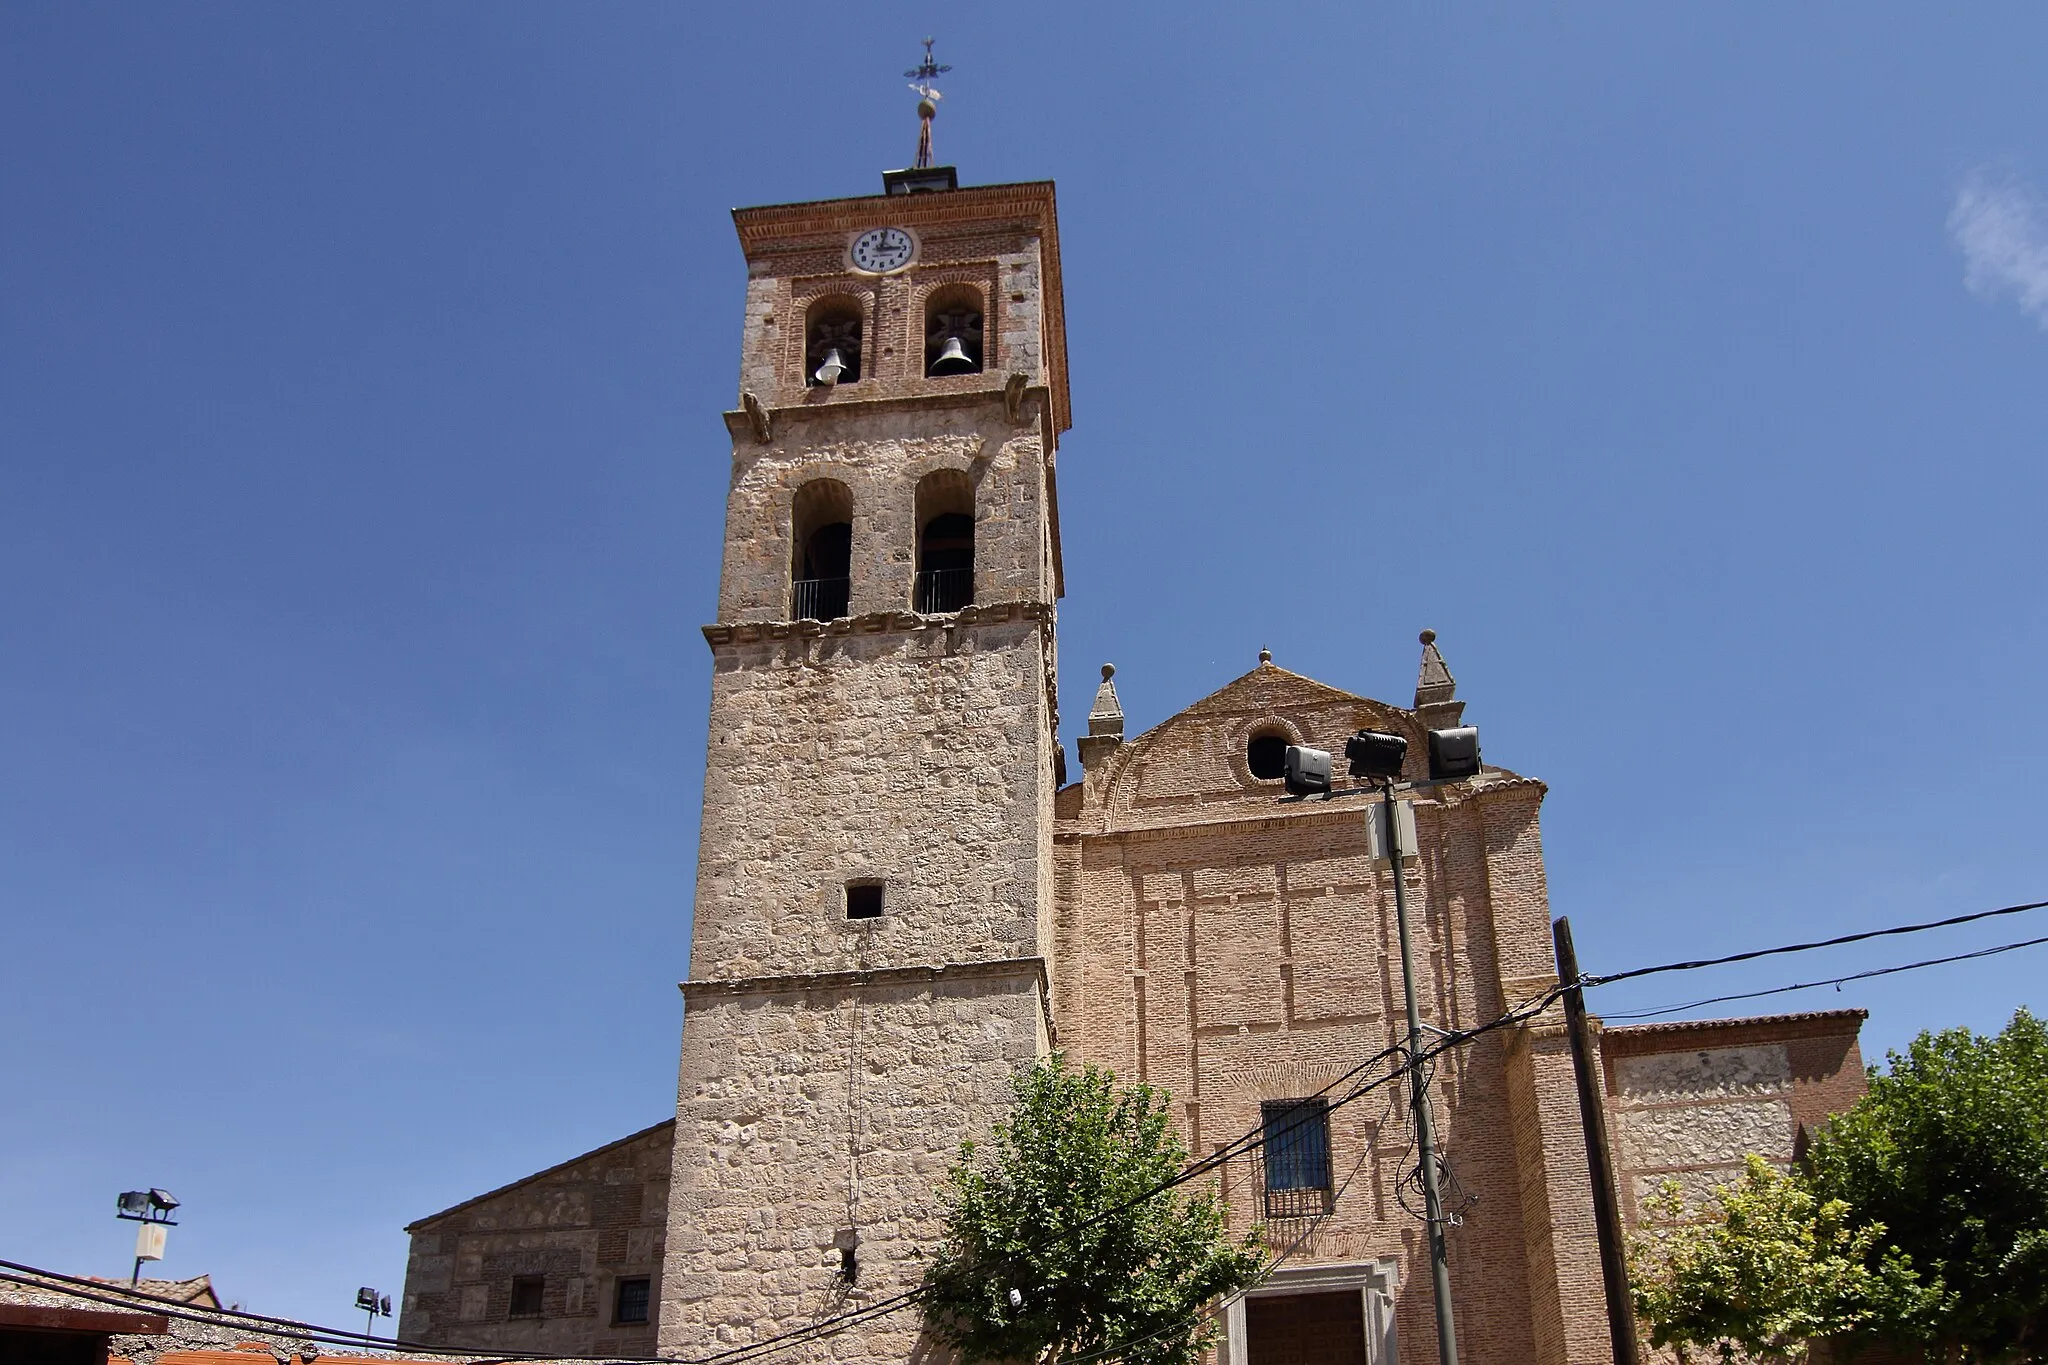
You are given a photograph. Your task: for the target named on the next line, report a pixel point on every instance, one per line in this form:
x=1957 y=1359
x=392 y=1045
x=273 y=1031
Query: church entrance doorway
x=1306 y=1329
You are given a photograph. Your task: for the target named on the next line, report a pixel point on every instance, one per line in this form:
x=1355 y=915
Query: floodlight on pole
x=1306 y=771
x=375 y=1304
x=1376 y=753
x=1379 y=757
x=1454 y=754
x=151 y=1208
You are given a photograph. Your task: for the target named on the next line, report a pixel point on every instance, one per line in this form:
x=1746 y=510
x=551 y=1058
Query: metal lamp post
x=373 y=1303
x=152 y=1209
x=1379 y=757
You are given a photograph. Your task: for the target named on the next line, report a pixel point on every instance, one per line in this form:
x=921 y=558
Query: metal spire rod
x=921 y=77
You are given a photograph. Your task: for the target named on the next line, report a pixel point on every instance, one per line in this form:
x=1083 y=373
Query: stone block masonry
x=819 y=1114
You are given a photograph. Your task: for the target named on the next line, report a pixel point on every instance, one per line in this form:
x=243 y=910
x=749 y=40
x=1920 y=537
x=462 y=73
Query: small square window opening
x=863 y=900
x=631 y=1305
x=526 y=1295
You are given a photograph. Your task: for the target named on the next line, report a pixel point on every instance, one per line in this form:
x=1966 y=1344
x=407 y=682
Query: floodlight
x=1453 y=753
x=1376 y=753
x=133 y=1204
x=366 y=1299
x=1307 y=771
x=160 y=1201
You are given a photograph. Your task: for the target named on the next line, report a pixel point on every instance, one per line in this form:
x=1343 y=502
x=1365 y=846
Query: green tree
x=1764 y=1267
x=1043 y=1261
x=1949 y=1152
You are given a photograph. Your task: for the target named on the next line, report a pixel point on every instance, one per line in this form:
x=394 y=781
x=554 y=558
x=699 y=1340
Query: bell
x=829 y=372
x=953 y=359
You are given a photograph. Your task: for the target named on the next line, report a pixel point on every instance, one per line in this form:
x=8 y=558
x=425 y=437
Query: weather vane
x=921 y=77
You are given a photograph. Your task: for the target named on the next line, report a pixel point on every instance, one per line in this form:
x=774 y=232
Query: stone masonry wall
x=917 y=759
x=1688 y=1101
x=831 y=1066
x=815 y=1118
x=583 y=1225
x=881 y=458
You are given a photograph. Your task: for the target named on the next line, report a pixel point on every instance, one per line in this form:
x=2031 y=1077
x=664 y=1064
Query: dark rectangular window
x=526 y=1291
x=632 y=1301
x=1297 y=1157
x=863 y=900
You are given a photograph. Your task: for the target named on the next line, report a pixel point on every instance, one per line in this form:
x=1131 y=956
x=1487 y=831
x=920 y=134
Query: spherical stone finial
x=1427 y=637
x=1265 y=656
x=1108 y=672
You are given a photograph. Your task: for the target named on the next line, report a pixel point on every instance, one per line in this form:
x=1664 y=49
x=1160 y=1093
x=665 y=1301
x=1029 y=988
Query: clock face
x=881 y=250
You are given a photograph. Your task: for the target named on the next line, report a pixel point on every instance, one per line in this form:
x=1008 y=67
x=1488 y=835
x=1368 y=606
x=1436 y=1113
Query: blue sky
x=361 y=478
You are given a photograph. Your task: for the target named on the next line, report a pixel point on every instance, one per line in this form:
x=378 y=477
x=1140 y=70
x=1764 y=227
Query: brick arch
x=805 y=299
x=1238 y=738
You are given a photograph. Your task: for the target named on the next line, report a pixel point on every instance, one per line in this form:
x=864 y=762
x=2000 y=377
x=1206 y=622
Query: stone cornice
x=862 y=977
x=742 y=422
x=726 y=634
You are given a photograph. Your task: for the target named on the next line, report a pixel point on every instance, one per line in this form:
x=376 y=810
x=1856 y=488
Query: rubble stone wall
x=1687 y=1102
x=822 y=1116
x=583 y=1226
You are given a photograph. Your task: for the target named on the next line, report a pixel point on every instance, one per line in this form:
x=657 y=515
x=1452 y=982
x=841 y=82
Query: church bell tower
x=872 y=927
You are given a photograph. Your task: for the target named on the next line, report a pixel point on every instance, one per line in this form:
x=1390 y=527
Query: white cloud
x=2001 y=227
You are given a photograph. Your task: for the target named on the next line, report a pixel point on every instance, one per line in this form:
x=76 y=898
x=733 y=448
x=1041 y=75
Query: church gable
x=1209 y=753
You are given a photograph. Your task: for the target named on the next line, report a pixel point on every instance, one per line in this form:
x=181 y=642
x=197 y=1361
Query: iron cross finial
x=927 y=70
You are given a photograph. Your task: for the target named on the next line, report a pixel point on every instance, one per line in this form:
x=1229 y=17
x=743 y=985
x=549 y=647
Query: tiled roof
x=1688 y=1025
x=526 y=1179
x=197 y=1290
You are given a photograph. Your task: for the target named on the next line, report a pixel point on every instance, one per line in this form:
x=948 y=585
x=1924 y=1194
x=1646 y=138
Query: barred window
x=631 y=1304
x=1297 y=1157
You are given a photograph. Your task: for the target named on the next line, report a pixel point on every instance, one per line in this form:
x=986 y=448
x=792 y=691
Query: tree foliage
x=1949 y=1152
x=1042 y=1213
x=1763 y=1267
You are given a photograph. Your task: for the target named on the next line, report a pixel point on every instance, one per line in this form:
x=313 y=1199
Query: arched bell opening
x=952 y=331
x=821 y=533
x=832 y=337
x=945 y=542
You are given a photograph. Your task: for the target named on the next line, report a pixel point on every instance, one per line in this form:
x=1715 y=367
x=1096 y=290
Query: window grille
x=632 y=1301
x=1295 y=1157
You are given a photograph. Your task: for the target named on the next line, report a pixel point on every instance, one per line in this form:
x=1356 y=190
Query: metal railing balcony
x=819 y=599
x=943 y=590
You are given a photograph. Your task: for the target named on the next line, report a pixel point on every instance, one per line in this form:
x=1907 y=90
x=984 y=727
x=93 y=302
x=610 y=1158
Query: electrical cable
x=1210 y=1310
x=1830 y=981
x=97 y=1291
x=1612 y=977
x=1253 y=1138
x=209 y=1317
